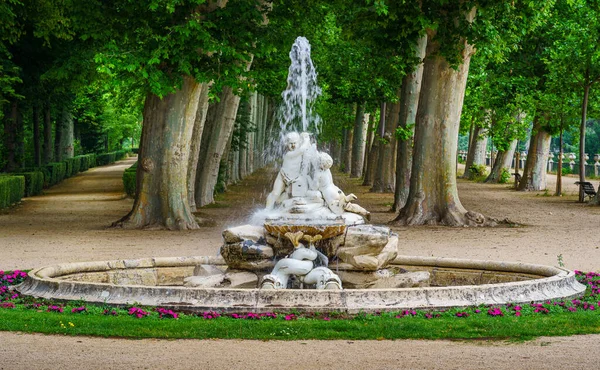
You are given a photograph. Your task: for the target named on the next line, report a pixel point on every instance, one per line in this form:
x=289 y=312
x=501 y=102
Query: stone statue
x=305 y=185
x=334 y=197
x=292 y=179
x=307 y=264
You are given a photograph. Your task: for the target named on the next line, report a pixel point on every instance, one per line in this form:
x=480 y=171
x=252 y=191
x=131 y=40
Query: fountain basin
x=159 y=282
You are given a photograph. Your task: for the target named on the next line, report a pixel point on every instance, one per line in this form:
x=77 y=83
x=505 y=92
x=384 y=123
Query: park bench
x=588 y=188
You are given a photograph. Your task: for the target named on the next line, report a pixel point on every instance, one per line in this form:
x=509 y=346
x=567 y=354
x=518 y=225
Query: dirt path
x=69 y=223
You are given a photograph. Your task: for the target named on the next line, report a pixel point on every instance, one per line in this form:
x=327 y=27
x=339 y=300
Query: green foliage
x=504 y=176
x=57 y=173
x=34 y=182
x=12 y=189
x=130 y=180
x=566 y=171
x=106 y=158
x=477 y=171
x=68 y=167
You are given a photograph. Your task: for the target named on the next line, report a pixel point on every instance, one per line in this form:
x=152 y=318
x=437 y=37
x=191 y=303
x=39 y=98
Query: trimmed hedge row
x=36 y=178
x=108 y=158
x=57 y=172
x=130 y=180
x=34 y=182
x=12 y=189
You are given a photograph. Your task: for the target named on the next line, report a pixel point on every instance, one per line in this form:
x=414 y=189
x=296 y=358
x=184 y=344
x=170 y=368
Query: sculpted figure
x=307 y=264
x=292 y=178
x=336 y=200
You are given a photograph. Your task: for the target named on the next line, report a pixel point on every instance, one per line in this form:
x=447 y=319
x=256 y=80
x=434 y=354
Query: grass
x=513 y=322
x=372 y=327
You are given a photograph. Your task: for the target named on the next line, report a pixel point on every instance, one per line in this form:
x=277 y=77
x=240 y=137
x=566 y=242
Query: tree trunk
x=162 y=196
x=358 y=144
x=336 y=152
x=243 y=160
x=534 y=173
x=11 y=137
x=433 y=197
x=409 y=103
x=384 y=178
x=199 y=122
x=58 y=141
x=374 y=153
x=503 y=160
x=368 y=144
x=584 y=105
x=560 y=161
x=66 y=135
x=477 y=148
x=346 y=154
x=47 y=134
x=220 y=120
x=37 y=145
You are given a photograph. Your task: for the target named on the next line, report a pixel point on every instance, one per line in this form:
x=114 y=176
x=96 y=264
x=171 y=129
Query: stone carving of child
x=334 y=197
x=291 y=179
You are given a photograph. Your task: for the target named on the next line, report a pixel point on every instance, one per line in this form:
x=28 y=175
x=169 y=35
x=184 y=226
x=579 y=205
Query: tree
x=575 y=57
x=183 y=46
x=433 y=197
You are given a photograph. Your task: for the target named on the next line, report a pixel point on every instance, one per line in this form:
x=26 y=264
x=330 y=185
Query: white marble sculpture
x=304 y=185
x=306 y=264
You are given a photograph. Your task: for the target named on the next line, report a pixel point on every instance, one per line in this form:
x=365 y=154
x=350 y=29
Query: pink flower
x=7 y=305
x=495 y=312
x=164 y=313
x=53 y=308
x=138 y=312
x=290 y=317
x=79 y=309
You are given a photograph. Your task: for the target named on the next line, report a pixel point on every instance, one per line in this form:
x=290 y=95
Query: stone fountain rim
x=554 y=283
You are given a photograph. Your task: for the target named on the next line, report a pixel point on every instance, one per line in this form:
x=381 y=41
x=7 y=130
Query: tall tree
x=575 y=57
x=433 y=196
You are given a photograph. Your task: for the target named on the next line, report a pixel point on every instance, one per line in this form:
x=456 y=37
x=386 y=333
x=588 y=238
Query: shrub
x=57 y=172
x=76 y=166
x=106 y=158
x=92 y=161
x=84 y=162
x=504 y=176
x=121 y=154
x=45 y=172
x=68 y=167
x=129 y=180
x=476 y=171
x=34 y=182
x=566 y=171
x=12 y=189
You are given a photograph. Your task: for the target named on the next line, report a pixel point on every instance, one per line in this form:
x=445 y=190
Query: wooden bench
x=588 y=189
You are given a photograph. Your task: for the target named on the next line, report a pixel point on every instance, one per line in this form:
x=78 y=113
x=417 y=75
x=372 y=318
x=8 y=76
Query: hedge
x=34 y=182
x=68 y=167
x=87 y=161
x=106 y=158
x=130 y=180
x=57 y=173
x=76 y=165
x=12 y=189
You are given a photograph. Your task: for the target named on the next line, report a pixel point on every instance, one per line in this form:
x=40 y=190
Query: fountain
x=309 y=249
